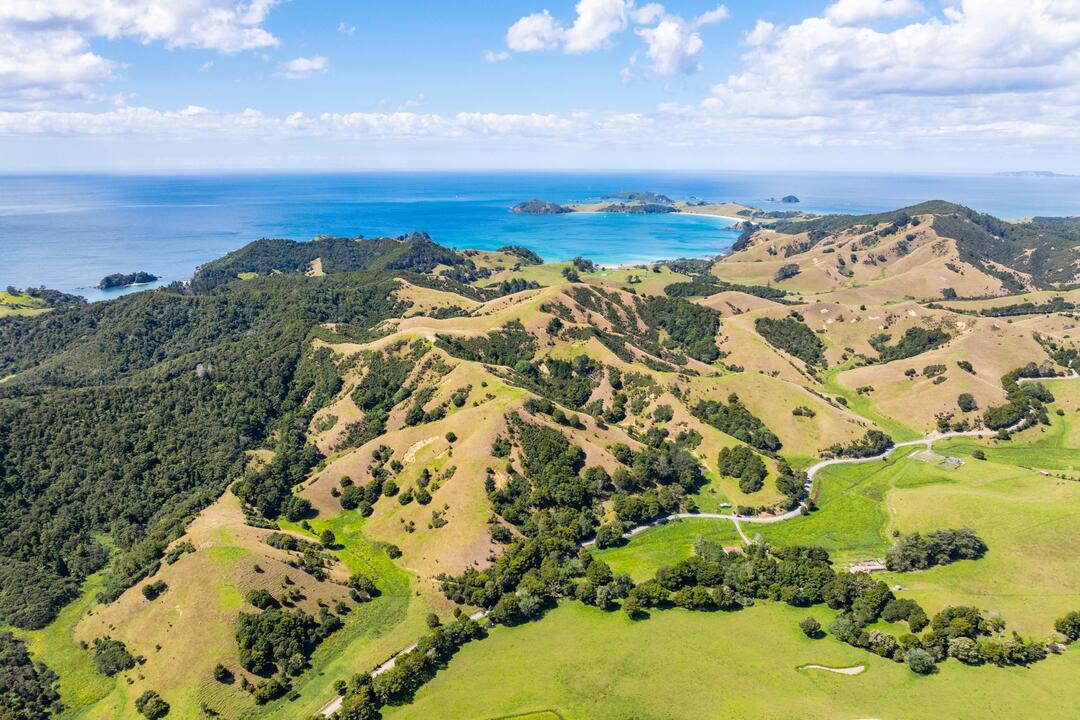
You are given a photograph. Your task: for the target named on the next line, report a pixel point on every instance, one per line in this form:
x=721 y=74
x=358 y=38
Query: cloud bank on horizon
x=596 y=81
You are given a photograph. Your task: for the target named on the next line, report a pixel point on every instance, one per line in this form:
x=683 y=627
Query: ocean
x=68 y=231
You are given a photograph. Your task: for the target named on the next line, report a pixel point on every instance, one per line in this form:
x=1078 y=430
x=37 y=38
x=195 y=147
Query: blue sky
x=907 y=85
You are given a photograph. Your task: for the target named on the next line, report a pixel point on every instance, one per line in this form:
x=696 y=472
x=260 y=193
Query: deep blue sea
x=68 y=231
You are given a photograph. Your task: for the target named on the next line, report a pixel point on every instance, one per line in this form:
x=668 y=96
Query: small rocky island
x=790 y=199
x=120 y=280
x=539 y=207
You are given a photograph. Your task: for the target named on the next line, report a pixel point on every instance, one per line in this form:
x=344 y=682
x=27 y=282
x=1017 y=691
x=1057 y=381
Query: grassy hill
x=461 y=422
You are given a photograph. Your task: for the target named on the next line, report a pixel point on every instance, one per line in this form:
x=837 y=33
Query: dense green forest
x=128 y=417
x=416 y=252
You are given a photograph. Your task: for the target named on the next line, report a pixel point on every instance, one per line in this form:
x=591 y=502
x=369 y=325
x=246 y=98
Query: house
x=868 y=566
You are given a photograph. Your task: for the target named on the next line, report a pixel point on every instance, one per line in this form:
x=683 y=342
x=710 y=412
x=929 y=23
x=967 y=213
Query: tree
x=222 y=674
x=920 y=661
x=151 y=705
x=261 y=598
x=811 y=627
x=111 y=656
x=1069 y=625
x=966 y=402
x=965 y=650
x=327 y=538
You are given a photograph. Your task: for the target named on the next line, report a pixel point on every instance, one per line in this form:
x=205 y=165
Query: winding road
x=331 y=707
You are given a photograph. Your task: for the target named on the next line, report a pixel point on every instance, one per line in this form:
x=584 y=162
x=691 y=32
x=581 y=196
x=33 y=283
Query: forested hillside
x=128 y=417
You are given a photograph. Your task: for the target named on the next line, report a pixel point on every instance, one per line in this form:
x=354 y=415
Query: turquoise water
x=68 y=231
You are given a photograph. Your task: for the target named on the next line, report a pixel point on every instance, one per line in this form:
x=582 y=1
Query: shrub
x=965 y=650
x=810 y=626
x=261 y=599
x=920 y=661
x=1069 y=625
x=151 y=705
x=787 y=271
x=151 y=591
x=111 y=656
x=978 y=454
x=966 y=402
x=222 y=674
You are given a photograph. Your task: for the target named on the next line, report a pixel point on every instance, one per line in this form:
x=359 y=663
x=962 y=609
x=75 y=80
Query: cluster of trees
x=151 y=705
x=743 y=463
x=555 y=503
x=940 y=547
x=715 y=579
x=957 y=632
x=382 y=387
x=914 y=341
x=28 y=689
x=793 y=336
x=111 y=656
x=737 y=421
x=873 y=443
x=691 y=328
x=527 y=256
x=708 y=284
x=269 y=488
x=52 y=298
x=507 y=346
x=786 y=272
x=276 y=644
x=1025 y=402
x=364 y=694
x=1054 y=305
x=570 y=382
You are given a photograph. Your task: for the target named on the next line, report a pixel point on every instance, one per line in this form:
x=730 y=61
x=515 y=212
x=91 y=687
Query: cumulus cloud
x=763 y=32
x=857 y=12
x=984 y=67
x=672 y=43
x=539 y=31
x=596 y=22
x=304 y=67
x=45 y=44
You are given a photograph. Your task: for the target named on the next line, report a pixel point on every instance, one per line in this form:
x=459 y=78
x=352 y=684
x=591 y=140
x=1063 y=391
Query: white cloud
x=196 y=121
x=539 y=31
x=346 y=30
x=597 y=21
x=304 y=67
x=987 y=68
x=45 y=50
x=674 y=43
x=493 y=57
x=647 y=14
x=858 y=12
x=763 y=33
